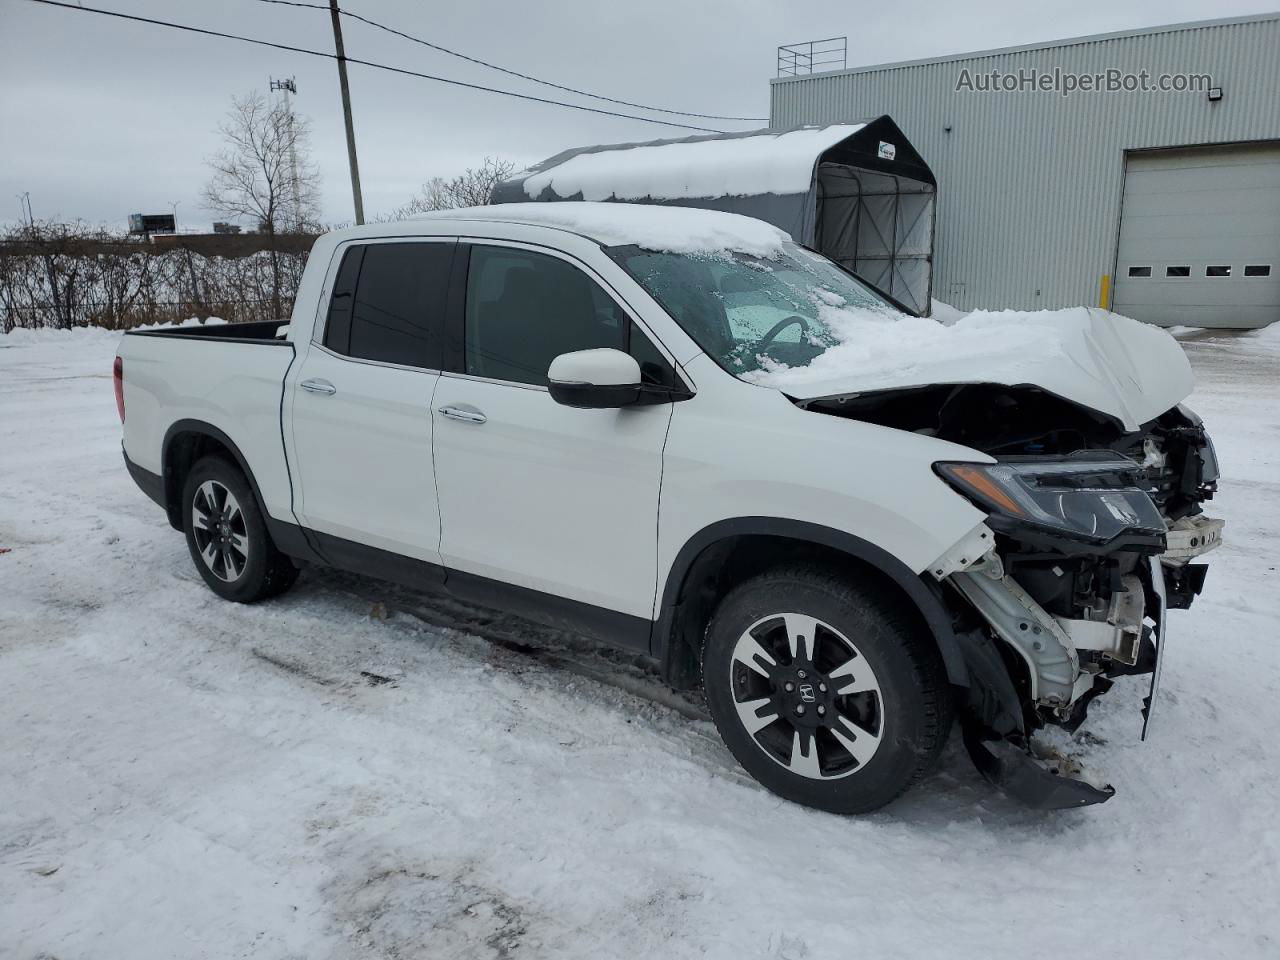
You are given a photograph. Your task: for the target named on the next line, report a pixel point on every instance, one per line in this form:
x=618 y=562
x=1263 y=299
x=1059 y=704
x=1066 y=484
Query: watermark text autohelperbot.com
x=1065 y=82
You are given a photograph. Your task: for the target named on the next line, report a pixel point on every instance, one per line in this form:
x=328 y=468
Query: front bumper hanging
x=1025 y=768
x=1040 y=784
x=1159 y=616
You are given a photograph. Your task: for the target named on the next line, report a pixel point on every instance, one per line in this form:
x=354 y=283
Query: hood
x=1130 y=371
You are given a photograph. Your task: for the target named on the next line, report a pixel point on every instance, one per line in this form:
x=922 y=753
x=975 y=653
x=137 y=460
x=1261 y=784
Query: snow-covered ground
x=352 y=771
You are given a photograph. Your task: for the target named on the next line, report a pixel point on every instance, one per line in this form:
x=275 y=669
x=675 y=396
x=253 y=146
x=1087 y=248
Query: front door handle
x=464 y=412
x=319 y=386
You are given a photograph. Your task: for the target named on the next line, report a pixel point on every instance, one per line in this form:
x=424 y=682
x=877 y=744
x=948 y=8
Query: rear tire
x=826 y=693
x=227 y=536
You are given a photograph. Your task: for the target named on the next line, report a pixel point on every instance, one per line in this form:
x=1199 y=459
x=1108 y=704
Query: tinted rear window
x=397 y=294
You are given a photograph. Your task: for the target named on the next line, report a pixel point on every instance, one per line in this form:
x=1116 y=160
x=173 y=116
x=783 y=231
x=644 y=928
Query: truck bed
x=210 y=376
x=262 y=331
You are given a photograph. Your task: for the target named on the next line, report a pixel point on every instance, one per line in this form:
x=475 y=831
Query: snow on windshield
x=873 y=350
x=870 y=346
x=672 y=229
x=778 y=163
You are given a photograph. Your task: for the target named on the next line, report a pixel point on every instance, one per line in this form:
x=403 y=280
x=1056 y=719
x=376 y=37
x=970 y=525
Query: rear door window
x=388 y=303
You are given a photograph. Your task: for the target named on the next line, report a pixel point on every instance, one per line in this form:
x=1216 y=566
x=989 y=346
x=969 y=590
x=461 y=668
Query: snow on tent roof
x=672 y=229
x=763 y=161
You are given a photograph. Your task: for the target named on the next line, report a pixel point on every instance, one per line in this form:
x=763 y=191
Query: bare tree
x=265 y=174
x=474 y=188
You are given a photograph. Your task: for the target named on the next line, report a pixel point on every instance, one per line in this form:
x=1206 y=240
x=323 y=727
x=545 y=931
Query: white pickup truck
x=679 y=432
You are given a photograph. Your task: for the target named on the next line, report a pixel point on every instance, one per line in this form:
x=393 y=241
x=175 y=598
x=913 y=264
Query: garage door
x=1200 y=237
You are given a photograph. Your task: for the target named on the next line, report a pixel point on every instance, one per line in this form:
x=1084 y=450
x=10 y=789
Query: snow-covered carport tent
x=857 y=192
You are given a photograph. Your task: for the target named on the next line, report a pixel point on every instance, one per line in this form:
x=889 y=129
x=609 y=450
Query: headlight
x=1209 y=470
x=1208 y=454
x=1093 y=499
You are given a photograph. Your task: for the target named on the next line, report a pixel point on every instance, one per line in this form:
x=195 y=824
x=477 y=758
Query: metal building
x=1160 y=204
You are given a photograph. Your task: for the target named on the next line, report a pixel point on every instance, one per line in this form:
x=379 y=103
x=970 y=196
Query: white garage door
x=1200 y=237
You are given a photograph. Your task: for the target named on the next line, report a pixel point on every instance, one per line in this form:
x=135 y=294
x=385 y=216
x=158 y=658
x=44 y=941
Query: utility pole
x=346 y=109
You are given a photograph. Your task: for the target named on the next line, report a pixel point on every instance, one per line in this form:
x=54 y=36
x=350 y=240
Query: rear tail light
x=117 y=375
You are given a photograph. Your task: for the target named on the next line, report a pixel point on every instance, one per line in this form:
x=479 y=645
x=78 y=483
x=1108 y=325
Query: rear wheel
x=227 y=536
x=826 y=694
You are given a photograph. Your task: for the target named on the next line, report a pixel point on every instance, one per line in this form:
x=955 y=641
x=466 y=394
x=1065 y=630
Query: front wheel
x=826 y=694
x=227 y=536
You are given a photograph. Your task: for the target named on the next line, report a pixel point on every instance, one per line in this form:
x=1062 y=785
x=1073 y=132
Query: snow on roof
x=765 y=162
x=654 y=227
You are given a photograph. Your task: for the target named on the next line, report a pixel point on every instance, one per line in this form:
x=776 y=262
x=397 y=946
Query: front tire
x=227 y=536
x=827 y=694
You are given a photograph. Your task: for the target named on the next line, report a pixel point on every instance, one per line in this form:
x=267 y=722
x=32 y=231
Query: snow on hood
x=1118 y=366
x=661 y=228
x=780 y=163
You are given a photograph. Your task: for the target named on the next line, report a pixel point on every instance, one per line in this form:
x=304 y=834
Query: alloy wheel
x=806 y=696
x=221 y=536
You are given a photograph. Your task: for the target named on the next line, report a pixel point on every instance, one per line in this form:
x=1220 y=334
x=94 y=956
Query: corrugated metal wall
x=1030 y=183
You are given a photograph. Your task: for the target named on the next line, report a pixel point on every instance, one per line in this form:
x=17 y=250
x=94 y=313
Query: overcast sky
x=102 y=117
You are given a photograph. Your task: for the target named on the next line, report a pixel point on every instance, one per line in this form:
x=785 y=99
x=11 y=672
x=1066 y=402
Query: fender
x=289 y=537
x=922 y=595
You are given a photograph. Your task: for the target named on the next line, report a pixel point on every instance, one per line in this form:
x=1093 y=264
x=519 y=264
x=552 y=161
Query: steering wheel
x=776 y=329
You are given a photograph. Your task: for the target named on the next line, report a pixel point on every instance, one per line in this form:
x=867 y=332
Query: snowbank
x=1268 y=335
x=23 y=337
x=945 y=313
x=778 y=163
x=1266 y=338
x=669 y=229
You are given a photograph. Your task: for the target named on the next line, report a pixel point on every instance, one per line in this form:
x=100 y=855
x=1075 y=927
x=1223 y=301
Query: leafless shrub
x=67 y=275
x=474 y=188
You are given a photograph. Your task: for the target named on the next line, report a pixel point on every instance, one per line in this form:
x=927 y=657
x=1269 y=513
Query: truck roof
x=654 y=227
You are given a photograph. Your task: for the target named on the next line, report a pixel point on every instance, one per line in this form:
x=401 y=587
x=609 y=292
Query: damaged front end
x=1091 y=537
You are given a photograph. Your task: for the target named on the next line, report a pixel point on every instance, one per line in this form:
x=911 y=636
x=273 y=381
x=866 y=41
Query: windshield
x=758 y=315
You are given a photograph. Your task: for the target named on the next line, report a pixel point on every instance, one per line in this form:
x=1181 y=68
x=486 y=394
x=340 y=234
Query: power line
x=515 y=73
x=368 y=63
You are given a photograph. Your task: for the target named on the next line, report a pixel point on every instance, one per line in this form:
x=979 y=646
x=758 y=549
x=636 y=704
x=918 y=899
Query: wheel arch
x=185 y=442
x=729 y=550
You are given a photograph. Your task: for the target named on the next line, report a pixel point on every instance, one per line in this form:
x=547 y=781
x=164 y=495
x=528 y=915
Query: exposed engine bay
x=1090 y=538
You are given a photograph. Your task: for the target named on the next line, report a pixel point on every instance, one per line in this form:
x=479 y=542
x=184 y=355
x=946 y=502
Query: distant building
x=220 y=227
x=1162 y=204
x=149 y=223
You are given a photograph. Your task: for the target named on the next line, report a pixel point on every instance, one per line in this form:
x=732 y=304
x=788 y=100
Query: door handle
x=319 y=386
x=463 y=412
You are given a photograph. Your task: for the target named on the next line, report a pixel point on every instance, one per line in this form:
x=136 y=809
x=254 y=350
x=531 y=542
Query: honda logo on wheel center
x=806 y=693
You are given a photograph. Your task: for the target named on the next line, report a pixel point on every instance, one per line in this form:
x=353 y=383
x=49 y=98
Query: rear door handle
x=464 y=412
x=319 y=386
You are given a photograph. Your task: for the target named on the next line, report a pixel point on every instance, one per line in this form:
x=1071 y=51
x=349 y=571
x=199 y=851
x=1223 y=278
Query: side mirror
x=598 y=379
